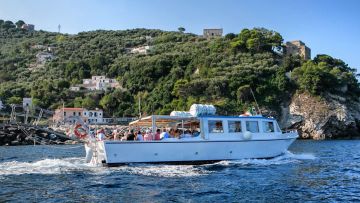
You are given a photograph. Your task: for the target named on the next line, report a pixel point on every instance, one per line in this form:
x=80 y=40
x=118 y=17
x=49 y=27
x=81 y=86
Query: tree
x=14 y=100
x=230 y=36
x=8 y=24
x=78 y=102
x=62 y=84
x=106 y=102
x=88 y=103
x=257 y=40
x=19 y=23
x=181 y=29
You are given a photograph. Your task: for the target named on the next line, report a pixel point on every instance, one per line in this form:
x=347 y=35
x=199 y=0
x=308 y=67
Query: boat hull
x=199 y=151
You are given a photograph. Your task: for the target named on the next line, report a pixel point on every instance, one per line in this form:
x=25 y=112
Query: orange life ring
x=80 y=134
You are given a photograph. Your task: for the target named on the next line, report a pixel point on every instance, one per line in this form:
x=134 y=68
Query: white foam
x=286 y=158
x=45 y=166
x=68 y=165
x=162 y=170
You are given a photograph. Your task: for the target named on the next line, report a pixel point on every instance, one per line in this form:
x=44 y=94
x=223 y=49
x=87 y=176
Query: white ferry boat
x=216 y=138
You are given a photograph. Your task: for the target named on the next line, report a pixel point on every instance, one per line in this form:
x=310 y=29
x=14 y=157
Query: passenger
x=237 y=127
x=116 y=134
x=187 y=134
x=164 y=134
x=131 y=136
x=148 y=135
x=172 y=133
x=101 y=134
x=139 y=136
x=195 y=133
x=177 y=133
x=124 y=137
x=157 y=134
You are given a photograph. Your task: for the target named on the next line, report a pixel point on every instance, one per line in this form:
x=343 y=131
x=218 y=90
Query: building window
x=64 y=113
x=234 y=126
x=252 y=126
x=95 y=114
x=268 y=126
x=79 y=113
x=74 y=113
x=215 y=127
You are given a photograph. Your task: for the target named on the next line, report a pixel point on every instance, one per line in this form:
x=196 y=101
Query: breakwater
x=20 y=134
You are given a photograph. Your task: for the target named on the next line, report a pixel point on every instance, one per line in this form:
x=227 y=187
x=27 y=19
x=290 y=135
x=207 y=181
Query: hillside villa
x=96 y=83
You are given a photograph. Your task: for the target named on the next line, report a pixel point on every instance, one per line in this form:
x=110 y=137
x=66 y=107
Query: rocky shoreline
x=15 y=134
x=319 y=118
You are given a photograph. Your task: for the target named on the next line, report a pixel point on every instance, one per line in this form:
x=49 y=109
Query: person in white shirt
x=164 y=134
x=101 y=135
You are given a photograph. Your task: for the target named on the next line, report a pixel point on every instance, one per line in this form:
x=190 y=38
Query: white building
x=75 y=88
x=97 y=83
x=94 y=116
x=29 y=27
x=27 y=103
x=140 y=50
x=72 y=115
x=38 y=46
x=217 y=32
x=42 y=57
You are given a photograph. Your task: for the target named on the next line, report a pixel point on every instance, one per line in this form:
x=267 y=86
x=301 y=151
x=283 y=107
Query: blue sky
x=326 y=26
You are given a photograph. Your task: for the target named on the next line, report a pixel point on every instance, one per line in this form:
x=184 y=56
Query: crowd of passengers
x=145 y=135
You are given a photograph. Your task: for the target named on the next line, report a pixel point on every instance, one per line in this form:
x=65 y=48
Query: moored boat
x=203 y=138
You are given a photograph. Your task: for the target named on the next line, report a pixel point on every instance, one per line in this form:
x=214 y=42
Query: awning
x=161 y=120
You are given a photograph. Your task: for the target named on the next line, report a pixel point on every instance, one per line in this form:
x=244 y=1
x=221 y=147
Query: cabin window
x=268 y=127
x=234 y=126
x=252 y=126
x=216 y=127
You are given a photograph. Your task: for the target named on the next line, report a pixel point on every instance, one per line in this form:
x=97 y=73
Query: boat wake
x=285 y=158
x=45 y=166
x=73 y=165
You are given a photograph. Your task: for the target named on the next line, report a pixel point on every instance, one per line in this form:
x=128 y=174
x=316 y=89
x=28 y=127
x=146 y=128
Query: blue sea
x=311 y=171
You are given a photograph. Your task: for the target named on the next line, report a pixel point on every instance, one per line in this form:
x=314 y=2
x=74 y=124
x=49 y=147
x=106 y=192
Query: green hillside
x=181 y=69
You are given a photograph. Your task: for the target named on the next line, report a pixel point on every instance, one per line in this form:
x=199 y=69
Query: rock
x=14 y=143
x=322 y=118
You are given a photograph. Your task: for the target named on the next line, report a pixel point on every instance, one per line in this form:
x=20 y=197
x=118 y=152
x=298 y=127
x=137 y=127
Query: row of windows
x=91 y=114
x=216 y=126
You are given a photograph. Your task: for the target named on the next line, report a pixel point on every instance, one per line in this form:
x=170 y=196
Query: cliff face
x=319 y=118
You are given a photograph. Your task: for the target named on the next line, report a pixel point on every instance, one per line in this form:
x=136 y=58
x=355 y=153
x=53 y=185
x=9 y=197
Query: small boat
x=204 y=138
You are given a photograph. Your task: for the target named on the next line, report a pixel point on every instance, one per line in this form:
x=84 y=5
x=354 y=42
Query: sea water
x=317 y=171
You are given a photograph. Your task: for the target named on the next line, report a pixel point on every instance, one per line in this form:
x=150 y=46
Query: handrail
x=289 y=131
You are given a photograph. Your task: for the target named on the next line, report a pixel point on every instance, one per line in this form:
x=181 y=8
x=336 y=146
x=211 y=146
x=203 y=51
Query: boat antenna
x=139 y=107
x=257 y=105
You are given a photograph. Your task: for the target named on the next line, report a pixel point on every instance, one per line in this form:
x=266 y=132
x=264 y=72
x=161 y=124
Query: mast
x=257 y=105
x=139 y=107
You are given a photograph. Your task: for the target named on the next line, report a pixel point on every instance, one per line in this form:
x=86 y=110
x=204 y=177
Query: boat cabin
x=213 y=127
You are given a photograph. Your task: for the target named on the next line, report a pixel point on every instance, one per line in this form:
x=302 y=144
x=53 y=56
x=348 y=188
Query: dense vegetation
x=180 y=70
